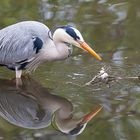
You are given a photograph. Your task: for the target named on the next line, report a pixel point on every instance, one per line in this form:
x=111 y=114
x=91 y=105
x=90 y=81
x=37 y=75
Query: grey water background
x=112 y=28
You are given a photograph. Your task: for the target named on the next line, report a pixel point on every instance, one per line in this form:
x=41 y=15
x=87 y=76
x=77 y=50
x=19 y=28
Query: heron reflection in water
x=32 y=106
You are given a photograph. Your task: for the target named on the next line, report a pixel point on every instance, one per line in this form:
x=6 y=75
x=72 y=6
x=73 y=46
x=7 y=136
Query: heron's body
x=26 y=44
x=21 y=45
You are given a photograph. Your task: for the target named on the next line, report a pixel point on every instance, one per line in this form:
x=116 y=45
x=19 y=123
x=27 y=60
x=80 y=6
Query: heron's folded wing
x=17 y=45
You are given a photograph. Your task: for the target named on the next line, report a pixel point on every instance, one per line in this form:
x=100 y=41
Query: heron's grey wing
x=18 y=45
x=23 y=111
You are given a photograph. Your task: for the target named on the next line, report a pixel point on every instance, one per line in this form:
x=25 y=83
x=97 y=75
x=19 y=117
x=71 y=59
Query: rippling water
x=112 y=28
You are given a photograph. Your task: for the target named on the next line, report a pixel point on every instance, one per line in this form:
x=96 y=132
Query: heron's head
x=77 y=126
x=71 y=35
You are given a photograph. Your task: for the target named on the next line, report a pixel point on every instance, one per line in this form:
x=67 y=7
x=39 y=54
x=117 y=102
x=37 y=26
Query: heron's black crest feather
x=72 y=33
x=69 y=30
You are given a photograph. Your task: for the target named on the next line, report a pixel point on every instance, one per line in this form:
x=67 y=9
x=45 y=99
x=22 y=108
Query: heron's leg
x=18 y=77
x=18 y=73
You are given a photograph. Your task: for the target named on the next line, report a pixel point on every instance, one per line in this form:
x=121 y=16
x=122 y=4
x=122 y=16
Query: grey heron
x=27 y=44
x=33 y=106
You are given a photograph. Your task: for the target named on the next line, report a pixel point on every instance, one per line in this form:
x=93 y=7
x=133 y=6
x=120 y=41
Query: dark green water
x=112 y=26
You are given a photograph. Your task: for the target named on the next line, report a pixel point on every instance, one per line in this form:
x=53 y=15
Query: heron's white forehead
x=78 y=33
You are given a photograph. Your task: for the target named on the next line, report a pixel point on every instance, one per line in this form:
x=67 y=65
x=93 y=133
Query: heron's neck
x=55 y=51
x=62 y=49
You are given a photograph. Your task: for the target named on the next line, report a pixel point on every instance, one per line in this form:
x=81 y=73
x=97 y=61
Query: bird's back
x=25 y=28
x=21 y=41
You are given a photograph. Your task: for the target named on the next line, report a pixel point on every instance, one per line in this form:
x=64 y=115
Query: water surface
x=112 y=28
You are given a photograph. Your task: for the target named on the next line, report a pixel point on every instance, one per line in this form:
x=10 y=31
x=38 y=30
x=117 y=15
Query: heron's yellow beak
x=90 y=115
x=86 y=47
